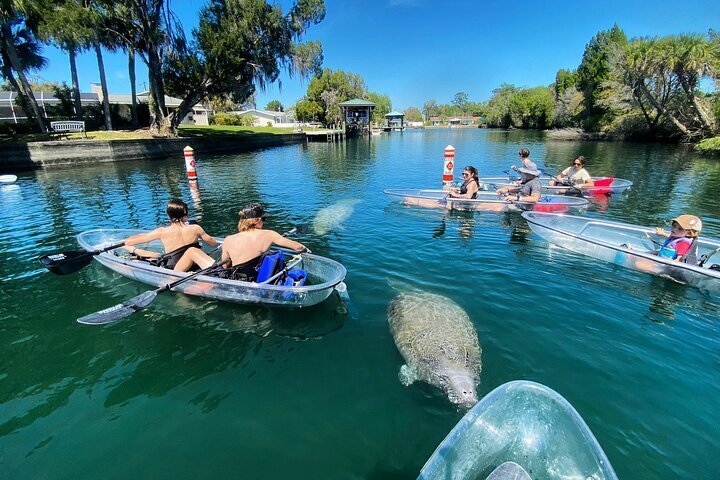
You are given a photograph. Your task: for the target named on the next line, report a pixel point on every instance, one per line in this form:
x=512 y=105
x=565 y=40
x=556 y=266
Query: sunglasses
x=465 y=174
x=577 y=164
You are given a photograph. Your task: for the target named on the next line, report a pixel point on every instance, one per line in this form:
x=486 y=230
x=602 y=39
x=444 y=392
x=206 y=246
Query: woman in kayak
x=574 y=175
x=470 y=186
x=681 y=243
x=179 y=239
x=246 y=248
x=529 y=188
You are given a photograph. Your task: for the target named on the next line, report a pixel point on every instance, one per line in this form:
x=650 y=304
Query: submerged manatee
x=439 y=344
x=332 y=217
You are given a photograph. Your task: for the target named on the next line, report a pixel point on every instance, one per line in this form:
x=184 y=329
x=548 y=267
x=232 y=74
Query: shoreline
x=73 y=153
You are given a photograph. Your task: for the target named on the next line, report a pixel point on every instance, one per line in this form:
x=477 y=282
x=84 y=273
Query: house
x=11 y=113
x=461 y=121
x=263 y=117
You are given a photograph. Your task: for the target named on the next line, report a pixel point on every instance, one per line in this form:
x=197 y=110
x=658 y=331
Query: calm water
x=191 y=388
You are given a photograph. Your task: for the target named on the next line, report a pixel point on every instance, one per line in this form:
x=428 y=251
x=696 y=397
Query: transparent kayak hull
x=626 y=245
x=324 y=275
x=486 y=201
x=525 y=423
x=618 y=185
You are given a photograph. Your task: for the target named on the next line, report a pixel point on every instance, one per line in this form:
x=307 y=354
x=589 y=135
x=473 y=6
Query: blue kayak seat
x=295 y=278
x=272 y=264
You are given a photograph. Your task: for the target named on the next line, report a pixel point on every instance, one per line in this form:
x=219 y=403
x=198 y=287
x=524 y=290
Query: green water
x=190 y=388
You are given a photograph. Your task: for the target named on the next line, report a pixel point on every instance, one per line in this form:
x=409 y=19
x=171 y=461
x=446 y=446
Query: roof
x=357 y=102
x=269 y=113
x=395 y=114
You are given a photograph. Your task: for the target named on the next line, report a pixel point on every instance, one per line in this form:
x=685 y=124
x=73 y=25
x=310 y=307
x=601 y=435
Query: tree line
x=238 y=47
x=643 y=87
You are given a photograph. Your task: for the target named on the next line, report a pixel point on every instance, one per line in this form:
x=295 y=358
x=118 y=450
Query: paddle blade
x=120 y=311
x=65 y=263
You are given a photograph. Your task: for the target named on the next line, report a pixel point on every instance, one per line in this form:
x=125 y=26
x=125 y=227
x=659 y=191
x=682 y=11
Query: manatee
x=439 y=343
x=332 y=217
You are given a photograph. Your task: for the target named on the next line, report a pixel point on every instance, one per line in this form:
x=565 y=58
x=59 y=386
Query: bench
x=68 y=126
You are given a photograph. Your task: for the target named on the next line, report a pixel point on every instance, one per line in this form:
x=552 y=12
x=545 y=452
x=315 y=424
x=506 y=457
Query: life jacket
x=669 y=249
x=258 y=269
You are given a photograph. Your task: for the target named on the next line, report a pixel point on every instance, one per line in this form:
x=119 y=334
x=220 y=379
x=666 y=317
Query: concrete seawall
x=67 y=153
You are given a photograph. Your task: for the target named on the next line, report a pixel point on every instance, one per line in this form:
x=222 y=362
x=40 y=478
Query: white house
x=263 y=117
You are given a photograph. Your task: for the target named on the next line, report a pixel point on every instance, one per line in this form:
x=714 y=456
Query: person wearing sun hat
x=681 y=242
x=246 y=248
x=529 y=188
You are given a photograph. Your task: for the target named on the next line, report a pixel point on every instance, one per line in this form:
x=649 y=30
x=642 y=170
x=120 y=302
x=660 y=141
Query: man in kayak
x=529 y=188
x=681 y=243
x=179 y=239
x=470 y=186
x=574 y=175
x=246 y=248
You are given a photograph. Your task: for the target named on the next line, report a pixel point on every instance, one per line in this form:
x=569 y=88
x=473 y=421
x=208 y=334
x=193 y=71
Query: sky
x=420 y=50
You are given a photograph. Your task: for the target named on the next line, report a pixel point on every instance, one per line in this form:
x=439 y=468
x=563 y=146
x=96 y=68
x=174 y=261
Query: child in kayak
x=681 y=243
x=179 y=239
x=574 y=175
x=524 y=159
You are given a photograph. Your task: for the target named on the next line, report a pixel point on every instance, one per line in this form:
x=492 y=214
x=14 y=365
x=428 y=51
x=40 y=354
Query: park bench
x=68 y=126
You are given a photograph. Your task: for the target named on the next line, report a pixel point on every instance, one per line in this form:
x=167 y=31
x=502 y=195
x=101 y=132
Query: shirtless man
x=179 y=239
x=246 y=248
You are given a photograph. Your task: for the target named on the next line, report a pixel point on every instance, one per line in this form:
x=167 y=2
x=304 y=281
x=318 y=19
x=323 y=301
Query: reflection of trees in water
x=338 y=164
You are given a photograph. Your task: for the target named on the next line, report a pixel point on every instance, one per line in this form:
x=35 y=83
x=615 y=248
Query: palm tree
x=19 y=54
x=692 y=57
x=12 y=30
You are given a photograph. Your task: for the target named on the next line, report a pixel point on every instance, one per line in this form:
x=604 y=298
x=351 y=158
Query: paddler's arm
x=142 y=238
x=206 y=238
x=281 y=241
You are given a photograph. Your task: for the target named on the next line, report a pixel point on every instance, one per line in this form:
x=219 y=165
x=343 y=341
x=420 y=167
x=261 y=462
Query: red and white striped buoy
x=190 y=162
x=448 y=166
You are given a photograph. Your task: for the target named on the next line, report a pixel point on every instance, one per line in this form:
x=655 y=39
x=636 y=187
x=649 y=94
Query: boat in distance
x=604 y=184
x=323 y=274
x=627 y=245
x=486 y=201
x=517 y=428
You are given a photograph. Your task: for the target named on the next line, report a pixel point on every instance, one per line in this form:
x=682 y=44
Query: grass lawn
x=185 y=131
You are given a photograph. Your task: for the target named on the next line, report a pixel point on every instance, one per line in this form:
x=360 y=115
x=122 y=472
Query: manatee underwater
x=439 y=343
x=332 y=217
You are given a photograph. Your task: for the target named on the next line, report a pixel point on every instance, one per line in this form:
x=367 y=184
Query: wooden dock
x=325 y=135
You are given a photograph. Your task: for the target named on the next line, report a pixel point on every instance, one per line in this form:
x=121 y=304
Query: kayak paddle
x=128 y=307
x=64 y=263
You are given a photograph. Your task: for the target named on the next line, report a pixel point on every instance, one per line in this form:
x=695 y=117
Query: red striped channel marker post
x=448 y=167
x=190 y=163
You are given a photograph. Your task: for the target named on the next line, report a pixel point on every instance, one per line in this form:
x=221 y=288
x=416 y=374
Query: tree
x=565 y=79
x=413 y=114
x=320 y=106
x=239 y=45
x=430 y=109
x=274 y=106
x=460 y=101
x=20 y=53
x=595 y=69
x=383 y=106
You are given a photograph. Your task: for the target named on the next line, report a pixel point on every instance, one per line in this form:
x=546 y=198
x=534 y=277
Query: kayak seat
x=272 y=264
x=549 y=208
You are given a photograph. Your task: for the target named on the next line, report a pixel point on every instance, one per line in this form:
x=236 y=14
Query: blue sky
x=417 y=50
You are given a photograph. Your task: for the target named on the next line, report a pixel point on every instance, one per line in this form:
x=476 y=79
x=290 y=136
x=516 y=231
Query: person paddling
x=529 y=188
x=179 y=239
x=575 y=175
x=246 y=248
x=470 y=186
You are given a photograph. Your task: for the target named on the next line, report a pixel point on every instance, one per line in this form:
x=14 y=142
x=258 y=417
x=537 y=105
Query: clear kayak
x=323 y=274
x=603 y=185
x=517 y=428
x=487 y=201
x=627 y=245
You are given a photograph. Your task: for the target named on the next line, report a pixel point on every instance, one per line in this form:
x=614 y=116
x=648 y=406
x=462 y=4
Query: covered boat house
x=395 y=121
x=357 y=114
